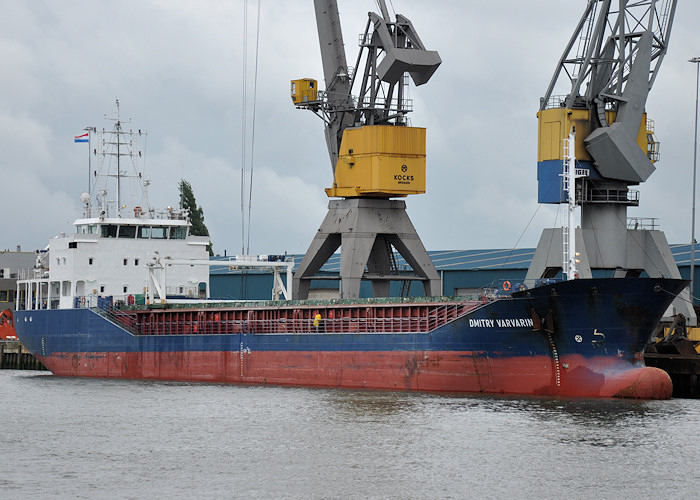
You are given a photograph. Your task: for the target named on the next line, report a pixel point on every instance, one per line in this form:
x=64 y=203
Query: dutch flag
x=81 y=138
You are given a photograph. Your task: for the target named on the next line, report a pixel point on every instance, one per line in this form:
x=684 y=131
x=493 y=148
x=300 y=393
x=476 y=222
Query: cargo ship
x=127 y=295
x=579 y=338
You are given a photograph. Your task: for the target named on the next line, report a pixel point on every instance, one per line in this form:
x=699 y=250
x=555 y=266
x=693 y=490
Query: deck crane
x=605 y=73
x=375 y=156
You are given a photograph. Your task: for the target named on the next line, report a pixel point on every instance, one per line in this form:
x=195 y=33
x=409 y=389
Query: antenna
x=120 y=143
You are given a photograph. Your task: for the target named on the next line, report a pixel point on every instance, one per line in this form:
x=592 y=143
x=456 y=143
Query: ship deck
x=419 y=316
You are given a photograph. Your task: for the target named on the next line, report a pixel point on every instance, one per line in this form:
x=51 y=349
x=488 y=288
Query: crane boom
x=338 y=104
x=610 y=72
x=374 y=155
x=609 y=40
x=330 y=38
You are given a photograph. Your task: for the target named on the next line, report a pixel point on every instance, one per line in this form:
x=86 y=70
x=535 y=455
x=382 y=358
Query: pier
x=13 y=356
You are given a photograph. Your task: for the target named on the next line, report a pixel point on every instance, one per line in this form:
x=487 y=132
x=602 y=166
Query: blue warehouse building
x=462 y=272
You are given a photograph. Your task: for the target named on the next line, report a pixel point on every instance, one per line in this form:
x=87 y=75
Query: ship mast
x=120 y=143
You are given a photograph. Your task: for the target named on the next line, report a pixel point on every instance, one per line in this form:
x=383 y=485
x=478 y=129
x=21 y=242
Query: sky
x=177 y=68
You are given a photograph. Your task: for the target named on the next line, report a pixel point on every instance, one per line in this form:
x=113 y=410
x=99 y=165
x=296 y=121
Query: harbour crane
x=605 y=73
x=375 y=156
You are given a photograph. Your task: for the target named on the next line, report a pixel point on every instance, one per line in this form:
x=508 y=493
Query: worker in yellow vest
x=317 y=321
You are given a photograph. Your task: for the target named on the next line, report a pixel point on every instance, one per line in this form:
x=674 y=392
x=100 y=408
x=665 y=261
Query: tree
x=188 y=202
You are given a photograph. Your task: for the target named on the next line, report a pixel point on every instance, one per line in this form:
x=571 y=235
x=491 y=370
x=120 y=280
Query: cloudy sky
x=177 y=68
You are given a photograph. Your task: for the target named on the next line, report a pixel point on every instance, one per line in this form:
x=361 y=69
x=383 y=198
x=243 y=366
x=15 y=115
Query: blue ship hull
x=581 y=338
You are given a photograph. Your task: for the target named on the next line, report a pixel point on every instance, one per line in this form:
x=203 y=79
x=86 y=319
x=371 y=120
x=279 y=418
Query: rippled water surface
x=90 y=438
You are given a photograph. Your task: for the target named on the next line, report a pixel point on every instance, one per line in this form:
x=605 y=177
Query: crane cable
x=243 y=121
x=245 y=235
x=252 y=133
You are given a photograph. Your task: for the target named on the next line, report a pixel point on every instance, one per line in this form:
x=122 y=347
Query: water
x=84 y=438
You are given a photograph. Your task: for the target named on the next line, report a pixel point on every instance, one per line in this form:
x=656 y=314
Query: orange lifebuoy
x=506 y=285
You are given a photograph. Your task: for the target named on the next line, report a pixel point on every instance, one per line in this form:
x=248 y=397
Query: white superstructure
x=110 y=255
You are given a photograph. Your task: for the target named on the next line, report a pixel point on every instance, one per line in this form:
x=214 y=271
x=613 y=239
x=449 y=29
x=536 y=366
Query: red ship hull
x=410 y=371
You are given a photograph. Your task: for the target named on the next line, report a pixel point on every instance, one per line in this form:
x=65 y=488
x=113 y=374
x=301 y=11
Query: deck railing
x=174 y=323
x=126 y=320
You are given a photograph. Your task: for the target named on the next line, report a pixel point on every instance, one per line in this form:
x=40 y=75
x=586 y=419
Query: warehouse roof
x=472 y=260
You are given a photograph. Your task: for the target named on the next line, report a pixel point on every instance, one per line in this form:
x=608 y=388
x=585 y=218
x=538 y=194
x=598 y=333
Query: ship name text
x=501 y=323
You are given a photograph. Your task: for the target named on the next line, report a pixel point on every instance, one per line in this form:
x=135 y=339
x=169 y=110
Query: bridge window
x=158 y=233
x=127 y=231
x=109 y=231
x=144 y=232
x=178 y=233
